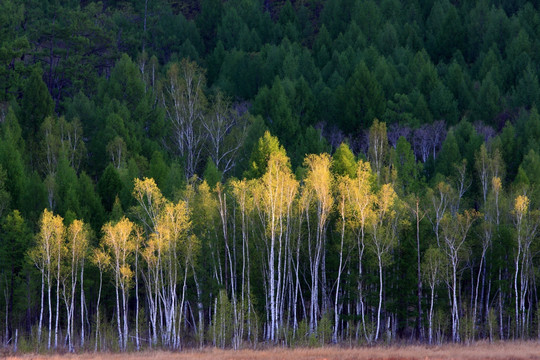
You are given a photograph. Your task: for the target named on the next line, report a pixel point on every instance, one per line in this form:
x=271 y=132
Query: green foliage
x=448 y=156
x=343 y=161
x=408 y=170
x=211 y=174
x=266 y=146
x=274 y=106
x=65 y=189
x=91 y=209
x=109 y=186
x=367 y=97
x=11 y=161
x=36 y=104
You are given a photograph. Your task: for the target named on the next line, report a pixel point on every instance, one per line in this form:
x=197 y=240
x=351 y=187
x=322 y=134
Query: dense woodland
x=176 y=173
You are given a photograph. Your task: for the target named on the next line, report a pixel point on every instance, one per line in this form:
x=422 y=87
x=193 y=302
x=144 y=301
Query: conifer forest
x=179 y=174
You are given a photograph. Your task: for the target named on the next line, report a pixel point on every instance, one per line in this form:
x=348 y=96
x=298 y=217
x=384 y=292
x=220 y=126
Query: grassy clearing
x=501 y=350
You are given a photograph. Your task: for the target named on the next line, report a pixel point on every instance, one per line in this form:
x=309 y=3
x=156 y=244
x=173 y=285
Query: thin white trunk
x=516 y=290
x=272 y=286
x=475 y=308
x=455 y=315
x=82 y=304
x=118 y=310
x=380 y=297
x=50 y=308
x=431 y=315
x=57 y=303
x=97 y=309
x=41 y=306
x=181 y=311
x=340 y=268
x=124 y=307
x=137 y=298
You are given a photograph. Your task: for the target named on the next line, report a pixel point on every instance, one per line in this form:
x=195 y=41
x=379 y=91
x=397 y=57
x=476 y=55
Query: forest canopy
x=180 y=173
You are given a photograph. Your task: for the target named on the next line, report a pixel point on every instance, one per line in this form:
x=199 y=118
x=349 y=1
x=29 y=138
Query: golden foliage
x=120 y=242
x=319 y=182
x=274 y=193
x=150 y=199
x=521 y=205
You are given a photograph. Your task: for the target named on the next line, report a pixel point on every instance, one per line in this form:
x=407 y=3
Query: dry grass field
x=503 y=350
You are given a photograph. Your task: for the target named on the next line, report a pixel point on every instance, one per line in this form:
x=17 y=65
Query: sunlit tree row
x=311 y=257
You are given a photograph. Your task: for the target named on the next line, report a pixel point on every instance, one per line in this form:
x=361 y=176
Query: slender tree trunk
x=420 y=328
x=71 y=319
x=272 y=288
x=41 y=306
x=431 y=315
x=181 y=311
x=82 y=304
x=200 y=329
x=501 y=331
x=336 y=314
x=297 y=283
x=67 y=303
x=97 y=309
x=137 y=299
x=476 y=291
x=50 y=308
x=57 y=305
x=380 y=297
x=118 y=310
x=455 y=315
x=124 y=307
x=516 y=292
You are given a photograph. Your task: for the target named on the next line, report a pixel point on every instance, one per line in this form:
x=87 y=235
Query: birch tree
x=243 y=195
x=59 y=251
x=179 y=248
x=102 y=260
x=150 y=200
x=526 y=224
x=343 y=186
x=274 y=194
x=439 y=198
x=151 y=203
x=120 y=244
x=432 y=273
x=167 y=254
x=46 y=255
x=383 y=236
x=226 y=130
x=184 y=102
x=77 y=244
x=319 y=184
x=360 y=216
x=378 y=146
x=455 y=230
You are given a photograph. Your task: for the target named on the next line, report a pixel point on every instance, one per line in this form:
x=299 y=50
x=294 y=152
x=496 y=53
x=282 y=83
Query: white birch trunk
x=97 y=309
x=57 y=304
x=82 y=304
x=340 y=268
x=41 y=306
x=431 y=315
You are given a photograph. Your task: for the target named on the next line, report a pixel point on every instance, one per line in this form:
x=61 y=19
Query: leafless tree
x=395 y=131
x=226 y=128
x=184 y=102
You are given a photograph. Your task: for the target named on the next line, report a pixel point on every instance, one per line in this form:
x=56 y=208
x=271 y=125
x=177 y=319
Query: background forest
x=187 y=173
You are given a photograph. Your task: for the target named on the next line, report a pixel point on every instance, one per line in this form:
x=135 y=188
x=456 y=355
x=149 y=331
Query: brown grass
x=502 y=350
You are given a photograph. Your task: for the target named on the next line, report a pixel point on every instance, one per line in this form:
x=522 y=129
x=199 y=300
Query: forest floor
x=499 y=351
